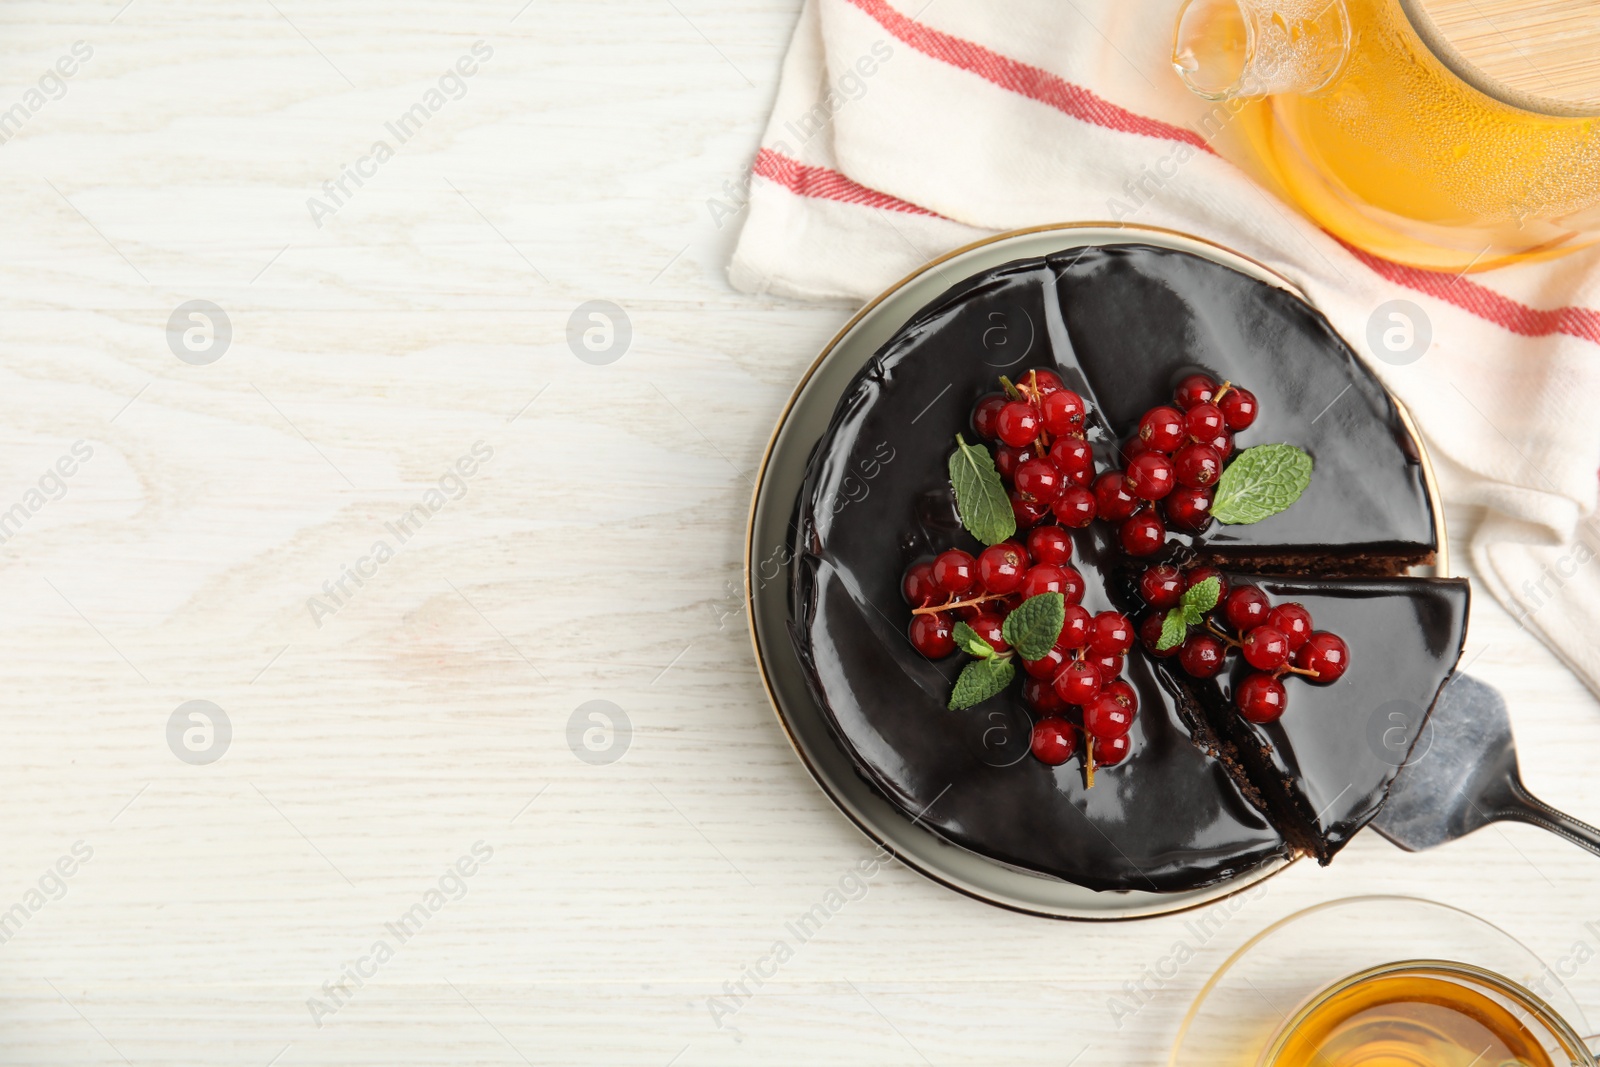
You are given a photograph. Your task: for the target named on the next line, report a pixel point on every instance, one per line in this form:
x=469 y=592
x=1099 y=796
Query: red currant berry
x=1123 y=694
x=1047 y=666
x=1040 y=695
x=1293 y=621
x=1047 y=382
x=918 y=586
x=1001 y=567
x=1150 y=476
x=931 y=635
x=1074 y=458
x=1018 y=423
x=1161 y=429
x=984 y=414
x=1260 y=698
x=1142 y=535
x=1222 y=444
x=1265 y=648
x=1050 y=544
x=1161 y=586
x=1111 y=751
x=1074 y=629
x=1104 y=717
x=1043 y=578
x=1063 y=413
x=990 y=627
x=1053 y=741
x=1078 y=682
x=1190 y=509
x=1200 y=574
x=1112 y=501
x=1150 y=635
x=1204 y=422
x=1239 y=408
x=1073 y=585
x=1246 y=608
x=954 y=571
x=1111 y=634
x=1110 y=666
x=1197 y=466
x=1028 y=512
x=1193 y=390
x=1008 y=459
x=1132 y=449
x=1075 y=507
x=1324 y=654
x=1202 y=656
x=1039 y=480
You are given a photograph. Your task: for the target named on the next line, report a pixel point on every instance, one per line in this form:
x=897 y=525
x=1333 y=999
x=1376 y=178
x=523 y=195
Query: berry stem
x=1088 y=760
x=1223 y=635
x=1288 y=669
x=1011 y=391
x=1033 y=395
x=932 y=609
x=1226 y=385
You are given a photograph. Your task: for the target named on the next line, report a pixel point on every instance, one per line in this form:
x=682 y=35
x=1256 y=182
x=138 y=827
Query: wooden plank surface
x=593 y=556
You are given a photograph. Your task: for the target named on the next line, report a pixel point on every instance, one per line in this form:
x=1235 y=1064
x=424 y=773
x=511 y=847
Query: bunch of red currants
x=1275 y=640
x=1173 y=463
x=1082 y=669
x=1042 y=452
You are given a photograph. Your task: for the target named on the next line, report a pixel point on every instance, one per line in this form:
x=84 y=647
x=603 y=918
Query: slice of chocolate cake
x=1136 y=319
x=1323 y=771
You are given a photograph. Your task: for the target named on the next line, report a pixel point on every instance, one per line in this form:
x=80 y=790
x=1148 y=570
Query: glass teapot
x=1448 y=134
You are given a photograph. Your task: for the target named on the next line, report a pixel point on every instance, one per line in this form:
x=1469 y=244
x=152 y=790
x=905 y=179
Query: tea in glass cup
x=1425 y=1014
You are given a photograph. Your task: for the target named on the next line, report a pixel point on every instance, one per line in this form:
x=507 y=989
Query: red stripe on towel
x=820 y=183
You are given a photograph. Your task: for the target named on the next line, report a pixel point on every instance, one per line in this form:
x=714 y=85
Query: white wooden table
x=591 y=555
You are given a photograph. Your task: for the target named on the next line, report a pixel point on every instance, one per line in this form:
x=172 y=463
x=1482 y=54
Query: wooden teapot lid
x=1541 y=55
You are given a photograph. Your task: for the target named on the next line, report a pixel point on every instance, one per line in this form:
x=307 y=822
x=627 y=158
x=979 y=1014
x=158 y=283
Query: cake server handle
x=1523 y=806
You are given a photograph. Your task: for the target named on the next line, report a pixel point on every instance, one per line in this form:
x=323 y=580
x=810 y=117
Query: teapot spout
x=1246 y=48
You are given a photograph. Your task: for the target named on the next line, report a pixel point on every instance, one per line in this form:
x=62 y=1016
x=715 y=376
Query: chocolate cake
x=1204 y=795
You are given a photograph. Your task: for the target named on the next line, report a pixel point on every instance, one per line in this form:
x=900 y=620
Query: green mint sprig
x=980 y=495
x=1031 y=630
x=1261 y=482
x=1035 y=626
x=980 y=680
x=968 y=640
x=1191 y=611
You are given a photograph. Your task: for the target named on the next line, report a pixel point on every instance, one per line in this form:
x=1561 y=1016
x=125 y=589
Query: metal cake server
x=1462 y=775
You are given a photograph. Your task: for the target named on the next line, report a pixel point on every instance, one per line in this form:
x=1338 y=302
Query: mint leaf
x=971 y=642
x=1032 y=629
x=1199 y=599
x=980 y=680
x=1191 y=611
x=1261 y=481
x=980 y=496
x=1174 y=628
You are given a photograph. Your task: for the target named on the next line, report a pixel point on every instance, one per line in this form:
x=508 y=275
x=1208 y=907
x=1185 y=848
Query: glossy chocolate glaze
x=877 y=497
